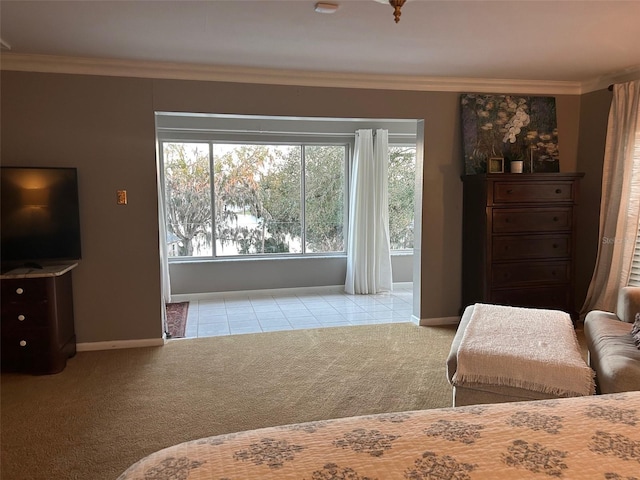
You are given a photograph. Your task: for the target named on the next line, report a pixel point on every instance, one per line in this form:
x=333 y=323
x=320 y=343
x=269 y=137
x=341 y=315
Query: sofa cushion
x=612 y=352
x=628 y=304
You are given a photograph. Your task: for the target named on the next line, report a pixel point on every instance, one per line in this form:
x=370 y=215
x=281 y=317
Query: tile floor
x=237 y=312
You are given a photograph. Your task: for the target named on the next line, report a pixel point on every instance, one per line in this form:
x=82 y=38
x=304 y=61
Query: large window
x=254 y=199
x=247 y=186
x=402 y=172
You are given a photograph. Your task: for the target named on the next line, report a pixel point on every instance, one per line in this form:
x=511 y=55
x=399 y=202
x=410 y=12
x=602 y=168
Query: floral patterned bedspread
x=577 y=438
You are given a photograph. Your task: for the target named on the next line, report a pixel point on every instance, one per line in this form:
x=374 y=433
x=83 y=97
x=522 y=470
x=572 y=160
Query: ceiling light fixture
x=324 y=7
x=397 y=5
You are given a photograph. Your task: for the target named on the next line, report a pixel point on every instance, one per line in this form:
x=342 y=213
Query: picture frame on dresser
x=496 y=165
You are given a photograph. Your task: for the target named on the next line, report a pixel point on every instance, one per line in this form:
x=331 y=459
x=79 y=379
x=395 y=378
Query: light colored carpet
x=108 y=409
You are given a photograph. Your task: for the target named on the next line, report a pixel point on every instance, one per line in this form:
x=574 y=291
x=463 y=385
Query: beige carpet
x=108 y=409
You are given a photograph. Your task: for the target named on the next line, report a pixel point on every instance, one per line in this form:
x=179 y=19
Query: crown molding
x=627 y=75
x=182 y=71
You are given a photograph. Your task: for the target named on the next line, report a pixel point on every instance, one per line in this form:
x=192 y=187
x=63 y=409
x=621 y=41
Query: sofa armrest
x=628 y=304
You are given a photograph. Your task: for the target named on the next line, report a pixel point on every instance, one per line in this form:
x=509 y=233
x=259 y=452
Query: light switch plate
x=122 y=197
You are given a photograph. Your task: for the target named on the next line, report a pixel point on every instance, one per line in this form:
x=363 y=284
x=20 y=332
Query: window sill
x=184 y=260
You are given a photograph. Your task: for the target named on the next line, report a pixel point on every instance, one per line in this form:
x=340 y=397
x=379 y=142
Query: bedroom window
x=247 y=186
x=402 y=172
x=244 y=199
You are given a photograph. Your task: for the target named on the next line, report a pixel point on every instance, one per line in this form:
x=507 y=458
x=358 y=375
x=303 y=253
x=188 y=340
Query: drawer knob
x=21 y=317
x=558 y=190
x=23 y=343
x=19 y=291
x=555 y=245
x=507 y=220
x=555 y=219
x=510 y=191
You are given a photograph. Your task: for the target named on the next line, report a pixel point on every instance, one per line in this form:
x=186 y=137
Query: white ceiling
x=572 y=41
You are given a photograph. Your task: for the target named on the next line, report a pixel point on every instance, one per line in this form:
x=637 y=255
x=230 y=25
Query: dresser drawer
x=27 y=315
x=31 y=344
x=557 y=297
x=34 y=353
x=520 y=220
x=533 y=192
x=513 y=247
x=522 y=274
x=27 y=290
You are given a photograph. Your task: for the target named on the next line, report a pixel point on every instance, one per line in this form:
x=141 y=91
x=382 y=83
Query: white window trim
x=251 y=129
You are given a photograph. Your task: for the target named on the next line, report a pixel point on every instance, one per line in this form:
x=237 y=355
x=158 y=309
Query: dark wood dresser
x=519 y=239
x=38 y=333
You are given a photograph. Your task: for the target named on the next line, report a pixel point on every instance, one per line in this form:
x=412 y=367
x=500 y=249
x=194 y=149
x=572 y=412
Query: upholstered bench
x=524 y=337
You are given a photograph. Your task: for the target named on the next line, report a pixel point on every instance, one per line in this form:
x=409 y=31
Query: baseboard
x=145 y=342
x=432 y=322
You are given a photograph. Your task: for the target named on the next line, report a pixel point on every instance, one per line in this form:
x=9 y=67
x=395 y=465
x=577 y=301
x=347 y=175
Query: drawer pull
x=19 y=291
x=553 y=273
x=23 y=343
x=510 y=191
x=558 y=190
x=555 y=219
x=21 y=317
x=507 y=220
x=555 y=245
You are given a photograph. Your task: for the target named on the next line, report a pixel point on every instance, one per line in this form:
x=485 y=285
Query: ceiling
x=567 y=41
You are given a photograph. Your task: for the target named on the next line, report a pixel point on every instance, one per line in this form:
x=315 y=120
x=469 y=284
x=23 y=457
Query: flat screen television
x=39 y=216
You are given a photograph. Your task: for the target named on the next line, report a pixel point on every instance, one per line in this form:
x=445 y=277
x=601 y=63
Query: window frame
x=176 y=127
x=348 y=148
x=407 y=251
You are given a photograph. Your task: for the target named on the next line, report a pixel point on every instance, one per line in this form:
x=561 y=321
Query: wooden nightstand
x=38 y=333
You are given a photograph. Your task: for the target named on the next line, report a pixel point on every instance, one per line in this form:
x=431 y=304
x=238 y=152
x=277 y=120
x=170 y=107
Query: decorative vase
x=516 y=166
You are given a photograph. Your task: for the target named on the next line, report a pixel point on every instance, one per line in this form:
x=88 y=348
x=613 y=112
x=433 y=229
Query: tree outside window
x=271 y=199
x=402 y=172
x=258 y=202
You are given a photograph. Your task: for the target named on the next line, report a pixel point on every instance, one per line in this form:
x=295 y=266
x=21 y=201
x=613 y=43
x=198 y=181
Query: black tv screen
x=40 y=217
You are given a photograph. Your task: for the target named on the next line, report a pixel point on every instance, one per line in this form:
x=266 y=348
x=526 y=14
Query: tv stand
x=38 y=333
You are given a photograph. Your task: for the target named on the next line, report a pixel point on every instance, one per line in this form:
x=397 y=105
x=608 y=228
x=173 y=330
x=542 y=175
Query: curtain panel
x=368 y=246
x=165 y=281
x=620 y=204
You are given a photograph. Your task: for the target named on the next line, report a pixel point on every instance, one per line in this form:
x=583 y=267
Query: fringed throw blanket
x=527 y=348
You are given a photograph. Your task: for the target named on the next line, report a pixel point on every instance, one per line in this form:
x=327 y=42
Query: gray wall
x=256 y=274
x=105 y=127
x=594 y=112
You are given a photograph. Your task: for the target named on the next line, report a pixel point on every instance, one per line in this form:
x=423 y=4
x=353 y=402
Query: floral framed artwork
x=511 y=127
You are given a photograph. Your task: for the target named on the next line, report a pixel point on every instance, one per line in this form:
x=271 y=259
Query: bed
x=580 y=437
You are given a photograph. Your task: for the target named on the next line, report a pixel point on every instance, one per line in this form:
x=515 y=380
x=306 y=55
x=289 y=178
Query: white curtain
x=165 y=282
x=368 y=248
x=620 y=204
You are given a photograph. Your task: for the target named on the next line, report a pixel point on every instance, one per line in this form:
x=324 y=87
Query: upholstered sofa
x=612 y=352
